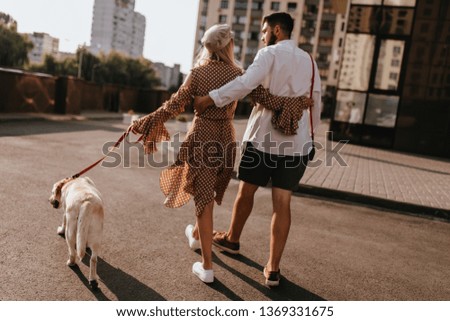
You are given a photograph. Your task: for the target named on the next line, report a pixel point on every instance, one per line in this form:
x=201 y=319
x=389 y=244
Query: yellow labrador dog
x=82 y=221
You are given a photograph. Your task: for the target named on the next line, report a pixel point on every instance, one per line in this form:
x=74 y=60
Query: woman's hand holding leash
x=131 y=129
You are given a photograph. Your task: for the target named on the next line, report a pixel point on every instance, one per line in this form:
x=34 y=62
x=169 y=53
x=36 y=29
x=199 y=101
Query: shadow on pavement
x=124 y=286
x=222 y=288
x=97 y=293
x=219 y=286
x=286 y=291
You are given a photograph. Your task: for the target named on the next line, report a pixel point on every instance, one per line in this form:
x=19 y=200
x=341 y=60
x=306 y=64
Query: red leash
x=120 y=140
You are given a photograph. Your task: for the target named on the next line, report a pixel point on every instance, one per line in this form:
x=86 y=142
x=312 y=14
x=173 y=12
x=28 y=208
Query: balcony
x=323 y=65
x=310 y=16
x=256 y=14
x=238 y=27
x=312 y=2
x=253 y=43
x=306 y=47
x=328 y=17
x=307 y=32
x=324 y=49
x=255 y=28
x=326 y=33
x=240 y=12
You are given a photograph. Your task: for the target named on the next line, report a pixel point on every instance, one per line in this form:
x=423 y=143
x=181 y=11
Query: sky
x=169 y=35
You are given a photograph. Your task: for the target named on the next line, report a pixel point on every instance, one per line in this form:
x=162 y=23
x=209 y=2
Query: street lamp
x=83 y=48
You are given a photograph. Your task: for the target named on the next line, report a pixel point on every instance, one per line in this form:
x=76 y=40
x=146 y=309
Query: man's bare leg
x=242 y=208
x=281 y=223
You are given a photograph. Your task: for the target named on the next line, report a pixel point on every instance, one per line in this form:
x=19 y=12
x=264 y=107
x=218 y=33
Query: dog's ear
x=61 y=184
x=55 y=199
x=57 y=192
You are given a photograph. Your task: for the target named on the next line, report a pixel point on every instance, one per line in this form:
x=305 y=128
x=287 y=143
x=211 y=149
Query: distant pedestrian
x=287 y=70
x=206 y=160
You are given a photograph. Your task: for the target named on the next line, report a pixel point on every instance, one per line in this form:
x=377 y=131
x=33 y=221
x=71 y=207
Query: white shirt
x=287 y=71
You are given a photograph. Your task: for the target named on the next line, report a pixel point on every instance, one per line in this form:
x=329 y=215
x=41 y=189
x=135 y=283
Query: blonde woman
x=205 y=163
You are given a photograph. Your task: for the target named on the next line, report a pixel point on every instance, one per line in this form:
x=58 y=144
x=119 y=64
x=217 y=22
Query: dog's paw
x=60 y=231
x=94 y=284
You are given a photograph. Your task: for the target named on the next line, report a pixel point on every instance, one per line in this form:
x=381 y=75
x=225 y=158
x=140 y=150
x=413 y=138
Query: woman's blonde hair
x=218 y=45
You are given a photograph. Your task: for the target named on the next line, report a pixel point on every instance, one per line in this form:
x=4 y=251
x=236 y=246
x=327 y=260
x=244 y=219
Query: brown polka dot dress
x=206 y=159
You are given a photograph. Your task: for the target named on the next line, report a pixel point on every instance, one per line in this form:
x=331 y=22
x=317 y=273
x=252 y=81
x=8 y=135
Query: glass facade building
x=394 y=80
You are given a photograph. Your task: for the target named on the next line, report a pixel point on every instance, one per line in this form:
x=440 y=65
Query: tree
x=68 y=67
x=88 y=62
x=49 y=66
x=14 y=48
x=111 y=69
x=118 y=69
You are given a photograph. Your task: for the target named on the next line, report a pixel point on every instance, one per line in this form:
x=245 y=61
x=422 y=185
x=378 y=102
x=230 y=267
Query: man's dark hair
x=284 y=20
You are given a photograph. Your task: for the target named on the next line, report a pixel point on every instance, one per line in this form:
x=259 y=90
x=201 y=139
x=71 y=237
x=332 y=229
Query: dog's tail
x=83 y=228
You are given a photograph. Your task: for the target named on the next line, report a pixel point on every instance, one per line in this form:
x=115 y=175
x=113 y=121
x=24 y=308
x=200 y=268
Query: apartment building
x=44 y=44
x=117 y=27
x=319 y=29
x=62 y=55
x=170 y=77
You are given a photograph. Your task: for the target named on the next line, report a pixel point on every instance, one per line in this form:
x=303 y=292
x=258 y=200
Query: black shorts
x=258 y=168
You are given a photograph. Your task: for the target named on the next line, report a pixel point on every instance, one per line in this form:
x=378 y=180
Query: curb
x=371 y=201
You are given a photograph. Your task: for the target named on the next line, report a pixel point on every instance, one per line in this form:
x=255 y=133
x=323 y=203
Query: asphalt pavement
x=336 y=250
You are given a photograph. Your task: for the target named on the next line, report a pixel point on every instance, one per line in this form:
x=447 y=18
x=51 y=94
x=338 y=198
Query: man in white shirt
x=270 y=155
